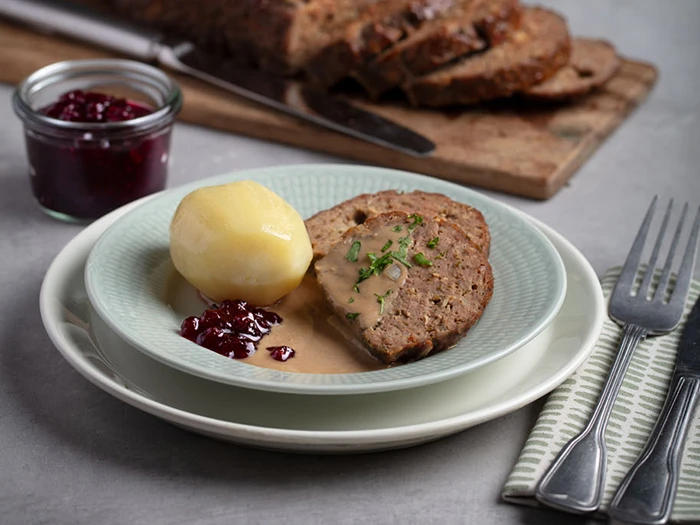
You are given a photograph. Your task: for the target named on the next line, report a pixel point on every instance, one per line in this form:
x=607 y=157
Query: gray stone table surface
x=70 y=454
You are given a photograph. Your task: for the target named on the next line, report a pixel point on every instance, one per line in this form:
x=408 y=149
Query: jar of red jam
x=97 y=134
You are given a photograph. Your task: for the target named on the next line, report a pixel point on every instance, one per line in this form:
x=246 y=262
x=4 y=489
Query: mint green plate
x=129 y=272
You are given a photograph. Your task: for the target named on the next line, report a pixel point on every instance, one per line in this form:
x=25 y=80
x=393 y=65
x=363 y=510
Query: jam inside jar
x=97 y=134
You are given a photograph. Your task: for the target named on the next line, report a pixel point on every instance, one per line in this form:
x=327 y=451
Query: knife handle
x=646 y=495
x=84 y=24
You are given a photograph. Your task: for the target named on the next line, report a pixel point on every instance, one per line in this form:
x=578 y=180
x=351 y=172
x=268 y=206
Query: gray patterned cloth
x=641 y=398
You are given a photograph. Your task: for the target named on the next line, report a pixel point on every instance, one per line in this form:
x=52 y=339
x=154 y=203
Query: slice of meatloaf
x=278 y=35
x=328 y=226
x=530 y=55
x=467 y=28
x=592 y=64
x=375 y=29
x=406 y=286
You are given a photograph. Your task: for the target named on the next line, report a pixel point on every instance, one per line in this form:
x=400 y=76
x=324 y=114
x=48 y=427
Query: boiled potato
x=239 y=241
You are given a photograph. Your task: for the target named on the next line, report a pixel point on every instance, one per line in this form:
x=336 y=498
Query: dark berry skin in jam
x=234 y=329
x=281 y=353
x=92 y=173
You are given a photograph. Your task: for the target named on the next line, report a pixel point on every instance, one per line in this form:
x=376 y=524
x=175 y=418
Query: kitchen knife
x=296 y=98
x=646 y=494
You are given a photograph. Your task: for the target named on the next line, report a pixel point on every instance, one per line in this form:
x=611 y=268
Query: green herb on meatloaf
x=352 y=315
x=417 y=219
x=381 y=299
x=432 y=243
x=378 y=264
x=354 y=251
x=397 y=228
x=422 y=260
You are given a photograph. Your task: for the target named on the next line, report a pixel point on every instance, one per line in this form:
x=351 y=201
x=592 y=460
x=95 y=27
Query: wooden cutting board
x=528 y=151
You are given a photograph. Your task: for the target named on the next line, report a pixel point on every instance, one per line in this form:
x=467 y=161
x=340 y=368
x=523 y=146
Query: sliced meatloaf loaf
x=377 y=28
x=328 y=226
x=592 y=64
x=467 y=28
x=277 y=35
x=406 y=286
x=529 y=56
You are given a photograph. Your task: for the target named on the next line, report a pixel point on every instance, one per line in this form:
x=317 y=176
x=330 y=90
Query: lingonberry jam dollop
x=94 y=171
x=233 y=329
x=79 y=106
x=281 y=353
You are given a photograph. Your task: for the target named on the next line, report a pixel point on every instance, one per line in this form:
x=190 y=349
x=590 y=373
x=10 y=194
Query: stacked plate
x=109 y=305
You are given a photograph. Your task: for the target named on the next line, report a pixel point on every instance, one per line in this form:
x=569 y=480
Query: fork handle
x=574 y=482
x=646 y=495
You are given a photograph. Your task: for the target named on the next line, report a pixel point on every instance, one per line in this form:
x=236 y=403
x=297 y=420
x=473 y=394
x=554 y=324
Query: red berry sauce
x=78 y=106
x=281 y=353
x=233 y=329
x=93 y=172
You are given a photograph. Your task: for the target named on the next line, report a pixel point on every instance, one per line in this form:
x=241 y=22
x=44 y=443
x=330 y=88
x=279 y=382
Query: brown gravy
x=371 y=297
x=308 y=326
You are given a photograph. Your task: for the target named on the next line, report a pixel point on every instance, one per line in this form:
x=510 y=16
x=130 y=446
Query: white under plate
x=320 y=424
x=129 y=274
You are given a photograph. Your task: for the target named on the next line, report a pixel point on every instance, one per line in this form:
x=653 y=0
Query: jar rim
x=68 y=69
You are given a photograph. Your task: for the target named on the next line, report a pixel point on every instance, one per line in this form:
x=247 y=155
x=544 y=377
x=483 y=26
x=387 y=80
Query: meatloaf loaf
x=378 y=28
x=328 y=226
x=592 y=64
x=277 y=35
x=468 y=27
x=406 y=286
x=530 y=55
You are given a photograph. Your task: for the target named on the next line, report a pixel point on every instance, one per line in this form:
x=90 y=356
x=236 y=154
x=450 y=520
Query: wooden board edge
x=649 y=76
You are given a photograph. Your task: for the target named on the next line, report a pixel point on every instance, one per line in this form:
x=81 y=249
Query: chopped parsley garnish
x=399 y=257
x=352 y=316
x=377 y=266
x=397 y=228
x=363 y=273
x=422 y=259
x=353 y=252
x=403 y=244
x=401 y=254
x=432 y=243
x=351 y=300
x=356 y=288
x=381 y=300
x=417 y=219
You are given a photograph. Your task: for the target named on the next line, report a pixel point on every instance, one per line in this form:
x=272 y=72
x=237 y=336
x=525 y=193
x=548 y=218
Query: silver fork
x=574 y=482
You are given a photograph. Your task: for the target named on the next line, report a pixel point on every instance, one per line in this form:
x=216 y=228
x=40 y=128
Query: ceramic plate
x=129 y=273
x=319 y=424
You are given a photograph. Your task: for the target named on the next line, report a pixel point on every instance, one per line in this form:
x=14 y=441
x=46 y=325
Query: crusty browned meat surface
x=377 y=28
x=443 y=295
x=470 y=26
x=592 y=64
x=327 y=227
x=279 y=36
x=530 y=55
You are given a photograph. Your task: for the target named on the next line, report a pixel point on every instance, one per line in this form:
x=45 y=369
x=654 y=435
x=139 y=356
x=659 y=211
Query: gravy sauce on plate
x=308 y=326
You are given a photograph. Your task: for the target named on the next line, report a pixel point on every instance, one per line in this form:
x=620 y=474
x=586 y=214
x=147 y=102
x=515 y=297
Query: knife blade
x=646 y=494
x=292 y=97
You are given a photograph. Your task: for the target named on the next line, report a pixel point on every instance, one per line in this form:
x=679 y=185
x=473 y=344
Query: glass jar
x=81 y=170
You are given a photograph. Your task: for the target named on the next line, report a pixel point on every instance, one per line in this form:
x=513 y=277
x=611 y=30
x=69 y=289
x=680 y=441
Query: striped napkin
x=641 y=398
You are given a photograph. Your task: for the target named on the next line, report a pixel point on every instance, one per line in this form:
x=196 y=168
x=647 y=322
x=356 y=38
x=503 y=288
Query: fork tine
x=685 y=274
x=646 y=281
x=629 y=269
x=666 y=273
